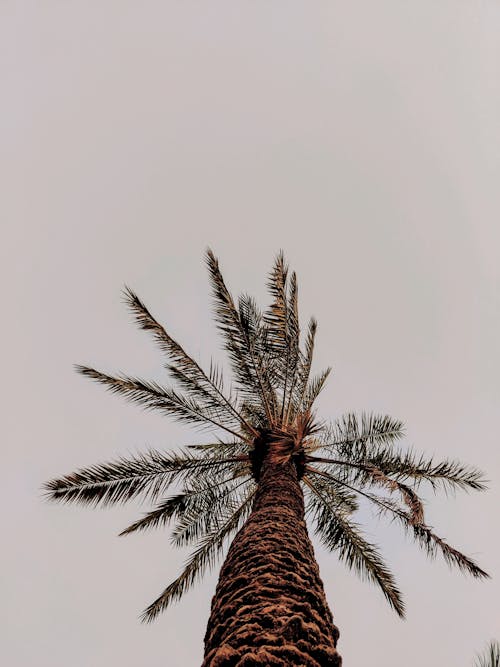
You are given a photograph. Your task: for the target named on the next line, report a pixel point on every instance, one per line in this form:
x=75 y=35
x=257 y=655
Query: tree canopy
x=205 y=491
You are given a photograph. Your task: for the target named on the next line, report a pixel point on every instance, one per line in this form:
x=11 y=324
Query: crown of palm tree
x=266 y=412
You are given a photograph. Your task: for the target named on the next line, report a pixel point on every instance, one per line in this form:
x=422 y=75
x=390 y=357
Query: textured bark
x=269 y=607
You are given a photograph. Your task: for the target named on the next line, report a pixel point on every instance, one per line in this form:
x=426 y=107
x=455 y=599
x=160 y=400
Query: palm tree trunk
x=269 y=607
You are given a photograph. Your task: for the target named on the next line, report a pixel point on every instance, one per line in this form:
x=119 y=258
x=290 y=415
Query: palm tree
x=491 y=658
x=271 y=465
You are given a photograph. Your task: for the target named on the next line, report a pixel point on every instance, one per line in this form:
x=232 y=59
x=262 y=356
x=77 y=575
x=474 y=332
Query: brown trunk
x=269 y=607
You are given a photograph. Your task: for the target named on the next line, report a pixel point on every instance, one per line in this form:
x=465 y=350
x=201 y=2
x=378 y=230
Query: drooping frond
x=422 y=533
x=148 y=475
x=433 y=544
x=341 y=535
x=233 y=447
x=204 y=556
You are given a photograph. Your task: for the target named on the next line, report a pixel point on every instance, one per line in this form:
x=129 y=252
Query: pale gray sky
x=361 y=137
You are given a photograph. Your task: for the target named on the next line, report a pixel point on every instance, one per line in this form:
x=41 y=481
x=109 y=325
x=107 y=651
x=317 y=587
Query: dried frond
x=424 y=535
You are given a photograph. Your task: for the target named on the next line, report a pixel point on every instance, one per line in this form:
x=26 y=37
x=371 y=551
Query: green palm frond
x=314 y=388
x=186 y=370
x=148 y=475
x=209 y=509
x=246 y=362
x=491 y=657
x=406 y=465
x=351 y=436
x=195 y=500
x=303 y=369
x=446 y=474
x=203 y=557
x=342 y=536
x=153 y=396
x=283 y=331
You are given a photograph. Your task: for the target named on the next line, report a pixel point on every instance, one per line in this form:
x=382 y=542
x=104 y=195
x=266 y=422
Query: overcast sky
x=361 y=137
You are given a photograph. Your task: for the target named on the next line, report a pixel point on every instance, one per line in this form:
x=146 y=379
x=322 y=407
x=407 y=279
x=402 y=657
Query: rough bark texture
x=269 y=607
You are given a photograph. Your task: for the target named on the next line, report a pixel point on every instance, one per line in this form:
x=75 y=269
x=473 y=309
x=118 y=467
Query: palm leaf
x=147 y=475
x=184 y=368
x=204 y=556
x=491 y=657
x=153 y=396
x=197 y=498
x=245 y=362
x=422 y=533
x=303 y=369
x=341 y=535
x=351 y=437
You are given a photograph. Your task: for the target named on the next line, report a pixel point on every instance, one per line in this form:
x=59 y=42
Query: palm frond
x=283 y=331
x=153 y=396
x=221 y=447
x=276 y=317
x=304 y=368
x=184 y=367
x=209 y=509
x=351 y=437
x=198 y=497
x=448 y=474
x=293 y=357
x=147 y=475
x=422 y=533
x=491 y=657
x=204 y=556
x=314 y=388
x=433 y=544
x=406 y=465
x=245 y=362
x=256 y=335
x=341 y=535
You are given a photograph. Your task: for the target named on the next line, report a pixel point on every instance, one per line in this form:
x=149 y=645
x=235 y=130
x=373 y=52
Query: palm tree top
x=266 y=414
